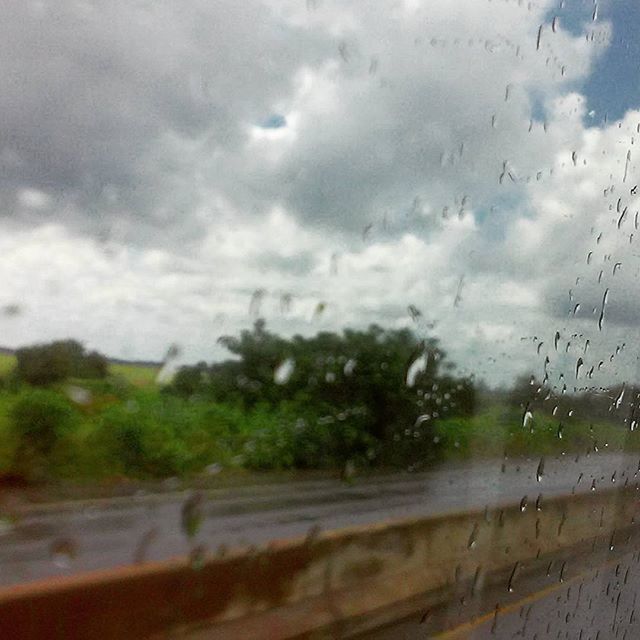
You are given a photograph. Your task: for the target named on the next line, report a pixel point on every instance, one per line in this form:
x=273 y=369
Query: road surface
x=52 y=540
x=595 y=603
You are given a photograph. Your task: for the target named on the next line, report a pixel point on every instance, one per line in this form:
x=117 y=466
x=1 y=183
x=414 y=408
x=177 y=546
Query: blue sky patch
x=274 y=121
x=613 y=87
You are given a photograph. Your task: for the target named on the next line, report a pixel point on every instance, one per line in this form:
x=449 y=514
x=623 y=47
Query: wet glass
x=323 y=311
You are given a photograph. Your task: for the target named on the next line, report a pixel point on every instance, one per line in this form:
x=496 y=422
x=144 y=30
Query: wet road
x=596 y=605
x=49 y=541
x=590 y=597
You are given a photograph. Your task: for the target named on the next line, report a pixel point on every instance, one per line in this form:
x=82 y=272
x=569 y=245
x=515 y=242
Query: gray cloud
x=135 y=172
x=108 y=107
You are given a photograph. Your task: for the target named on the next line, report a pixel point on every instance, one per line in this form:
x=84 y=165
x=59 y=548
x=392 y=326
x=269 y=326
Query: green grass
x=8 y=439
x=132 y=430
x=497 y=430
x=139 y=375
x=7 y=362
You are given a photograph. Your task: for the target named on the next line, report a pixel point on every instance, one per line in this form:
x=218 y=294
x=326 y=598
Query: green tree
x=357 y=390
x=55 y=361
x=40 y=418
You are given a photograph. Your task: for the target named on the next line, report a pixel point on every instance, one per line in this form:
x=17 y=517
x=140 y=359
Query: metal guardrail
x=328 y=584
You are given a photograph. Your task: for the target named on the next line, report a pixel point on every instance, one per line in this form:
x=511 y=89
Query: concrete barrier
x=329 y=584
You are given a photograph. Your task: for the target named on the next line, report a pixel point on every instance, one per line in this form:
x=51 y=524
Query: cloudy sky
x=171 y=171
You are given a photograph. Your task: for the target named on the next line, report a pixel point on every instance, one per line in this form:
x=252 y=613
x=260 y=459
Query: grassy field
x=129 y=428
x=139 y=375
x=7 y=362
x=497 y=430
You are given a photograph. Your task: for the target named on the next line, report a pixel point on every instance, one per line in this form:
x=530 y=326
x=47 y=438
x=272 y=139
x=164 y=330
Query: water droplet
x=256 y=302
x=605 y=297
x=284 y=371
x=563 y=569
x=343 y=51
x=418 y=366
x=494 y=624
x=473 y=537
x=147 y=539
x=523 y=504
x=349 y=471
x=11 y=310
x=512 y=577
x=540 y=470
x=191 y=514
x=539 y=502
x=79 y=395
x=349 y=367
x=422 y=419
x=579 y=364
x=318 y=311
x=62 y=551
x=414 y=312
x=197 y=557
x=313 y=534
x=620 y=397
x=286 y=300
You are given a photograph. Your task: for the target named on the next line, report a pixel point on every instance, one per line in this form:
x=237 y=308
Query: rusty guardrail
x=328 y=584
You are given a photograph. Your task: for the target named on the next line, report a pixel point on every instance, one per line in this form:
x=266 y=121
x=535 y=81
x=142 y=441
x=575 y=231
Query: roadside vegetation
x=360 y=399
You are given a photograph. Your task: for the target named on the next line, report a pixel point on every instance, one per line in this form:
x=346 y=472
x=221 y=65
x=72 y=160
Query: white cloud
x=33 y=198
x=426 y=153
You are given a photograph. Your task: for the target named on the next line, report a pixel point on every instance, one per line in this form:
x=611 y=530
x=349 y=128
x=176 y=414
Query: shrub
x=297 y=436
x=44 y=364
x=40 y=418
x=158 y=435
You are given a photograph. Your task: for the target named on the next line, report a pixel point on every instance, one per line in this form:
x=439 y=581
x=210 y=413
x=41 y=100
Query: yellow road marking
x=467 y=627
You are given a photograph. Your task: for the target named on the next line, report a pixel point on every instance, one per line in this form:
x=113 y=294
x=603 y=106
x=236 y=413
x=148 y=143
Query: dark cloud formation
x=106 y=107
x=131 y=117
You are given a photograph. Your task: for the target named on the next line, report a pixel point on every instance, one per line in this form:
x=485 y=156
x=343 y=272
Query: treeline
x=359 y=398
x=372 y=394
x=618 y=404
x=44 y=364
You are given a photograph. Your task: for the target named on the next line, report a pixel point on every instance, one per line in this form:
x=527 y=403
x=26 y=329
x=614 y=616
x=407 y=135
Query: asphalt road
x=64 y=539
x=591 y=596
x=596 y=605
